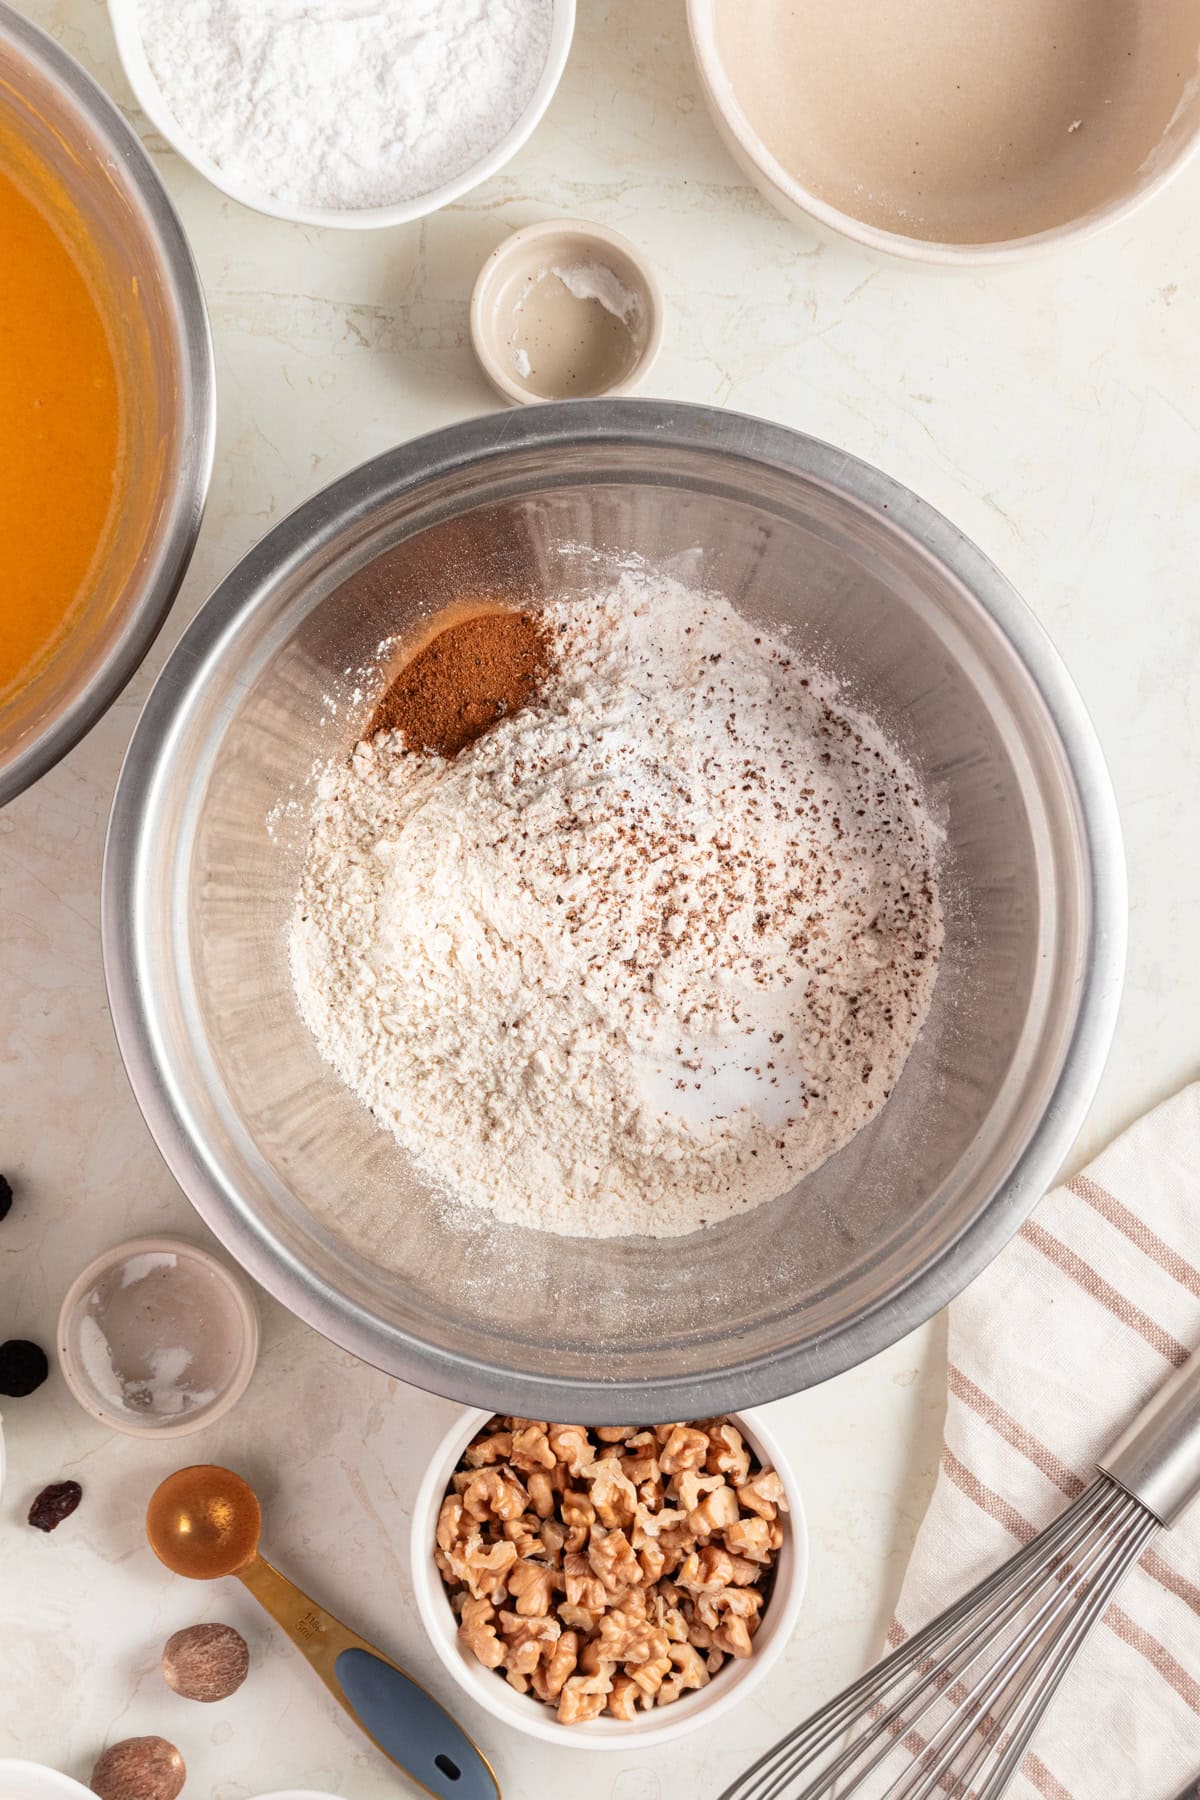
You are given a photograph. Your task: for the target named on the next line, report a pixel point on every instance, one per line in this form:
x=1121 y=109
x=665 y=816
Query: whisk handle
x=1157 y=1457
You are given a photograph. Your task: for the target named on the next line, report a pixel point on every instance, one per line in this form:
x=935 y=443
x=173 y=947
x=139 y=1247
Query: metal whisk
x=952 y=1711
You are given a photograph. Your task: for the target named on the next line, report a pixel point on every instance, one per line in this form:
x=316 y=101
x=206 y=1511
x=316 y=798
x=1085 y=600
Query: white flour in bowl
x=345 y=103
x=645 y=953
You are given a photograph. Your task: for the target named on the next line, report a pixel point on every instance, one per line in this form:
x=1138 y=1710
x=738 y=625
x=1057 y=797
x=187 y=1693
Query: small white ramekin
x=524 y=1713
x=505 y=279
x=242 y=1344
x=154 y=103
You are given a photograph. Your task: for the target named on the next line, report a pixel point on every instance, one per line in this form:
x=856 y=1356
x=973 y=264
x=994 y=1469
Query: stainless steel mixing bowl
x=68 y=144
x=208 y=829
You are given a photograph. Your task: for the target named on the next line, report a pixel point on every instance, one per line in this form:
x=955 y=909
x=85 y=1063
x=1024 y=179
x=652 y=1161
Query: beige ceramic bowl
x=566 y=310
x=730 y=1687
x=156 y=1338
x=954 y=131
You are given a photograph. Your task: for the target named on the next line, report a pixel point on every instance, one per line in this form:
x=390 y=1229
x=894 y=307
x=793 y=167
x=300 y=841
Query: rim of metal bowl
x=642 y=423
x=197 y=385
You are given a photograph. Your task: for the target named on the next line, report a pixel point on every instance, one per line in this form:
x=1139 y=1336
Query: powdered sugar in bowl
x=348 y=115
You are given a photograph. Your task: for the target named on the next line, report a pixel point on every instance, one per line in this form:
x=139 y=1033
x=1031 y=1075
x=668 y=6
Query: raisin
x=23 y=1367
x=5 y=1196
x=54 y=1504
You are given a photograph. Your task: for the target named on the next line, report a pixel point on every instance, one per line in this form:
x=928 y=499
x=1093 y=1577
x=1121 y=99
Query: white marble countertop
x=1052 y=411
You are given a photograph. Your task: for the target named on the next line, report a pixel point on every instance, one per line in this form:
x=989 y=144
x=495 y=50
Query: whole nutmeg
x=206 y=1662
x=141 y=1768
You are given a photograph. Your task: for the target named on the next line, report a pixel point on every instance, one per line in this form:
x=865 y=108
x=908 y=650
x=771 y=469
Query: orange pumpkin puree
x=59 y=434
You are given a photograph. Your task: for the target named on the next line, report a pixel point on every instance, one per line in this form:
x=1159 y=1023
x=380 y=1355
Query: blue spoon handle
x=409 y=1726
x=395 y=1711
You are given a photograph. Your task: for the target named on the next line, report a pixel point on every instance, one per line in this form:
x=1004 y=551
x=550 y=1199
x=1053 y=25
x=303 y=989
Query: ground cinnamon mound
x=471 y=674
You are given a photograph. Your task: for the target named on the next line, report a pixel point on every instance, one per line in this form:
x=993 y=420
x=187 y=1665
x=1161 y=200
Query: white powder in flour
x=345 y=103
x=644 y=954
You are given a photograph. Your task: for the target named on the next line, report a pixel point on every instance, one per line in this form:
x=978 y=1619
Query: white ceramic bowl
x=727 y=1689
x=1098 y=127
x=31 y=1781
x=155 y=105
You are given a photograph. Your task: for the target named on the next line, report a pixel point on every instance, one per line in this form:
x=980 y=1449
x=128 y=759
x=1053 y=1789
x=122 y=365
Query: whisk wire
x=1060 y=1660
x=811 y=1739
x=985 y=1708
x=990 y=1664
x=981 y=1713
x=981 y=1632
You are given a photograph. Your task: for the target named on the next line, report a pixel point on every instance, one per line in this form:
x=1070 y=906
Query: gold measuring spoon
x=204 y=1522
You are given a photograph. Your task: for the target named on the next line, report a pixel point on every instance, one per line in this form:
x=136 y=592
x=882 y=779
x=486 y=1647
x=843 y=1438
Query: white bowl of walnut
x=608 y=1586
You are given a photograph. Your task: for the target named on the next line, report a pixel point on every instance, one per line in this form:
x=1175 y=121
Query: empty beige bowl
x=954 y=131
x=566 y=310
x=156 y=1338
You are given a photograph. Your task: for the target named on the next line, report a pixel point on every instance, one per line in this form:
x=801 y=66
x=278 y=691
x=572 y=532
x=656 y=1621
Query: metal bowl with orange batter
x=106 y=540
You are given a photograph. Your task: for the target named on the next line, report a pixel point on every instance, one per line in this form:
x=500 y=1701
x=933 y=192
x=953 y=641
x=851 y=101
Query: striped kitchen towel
x=1051 y=1351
